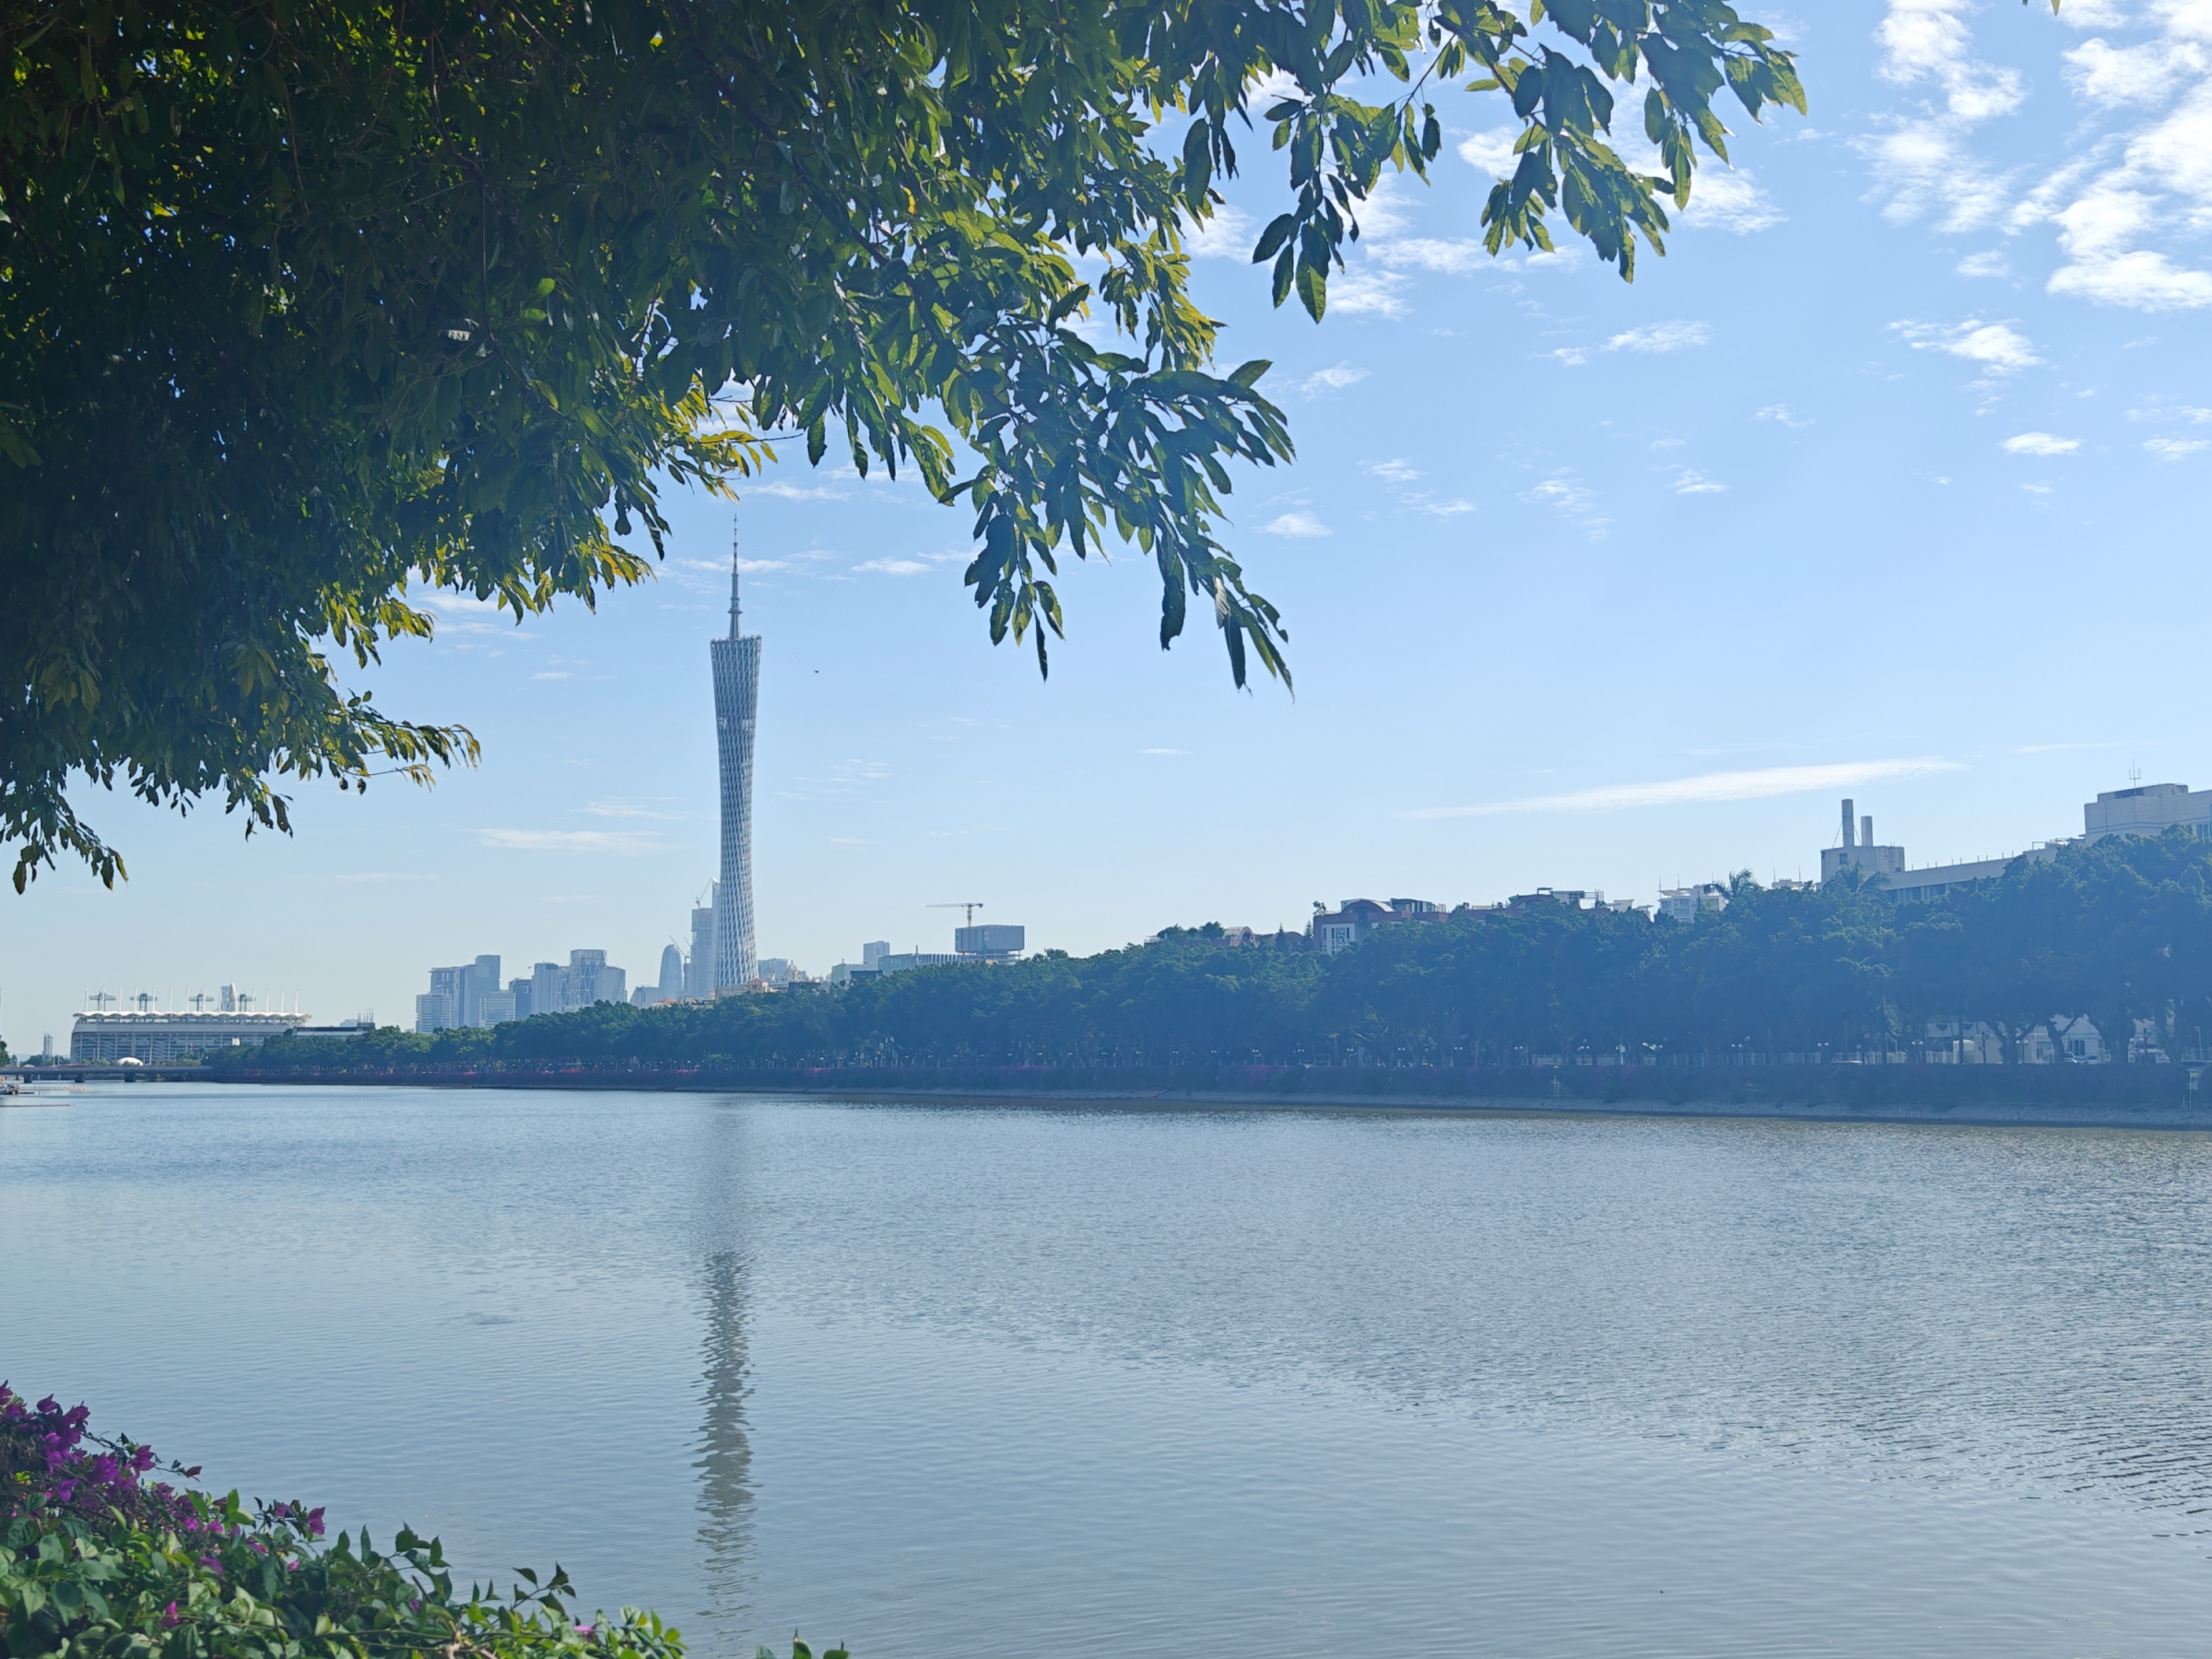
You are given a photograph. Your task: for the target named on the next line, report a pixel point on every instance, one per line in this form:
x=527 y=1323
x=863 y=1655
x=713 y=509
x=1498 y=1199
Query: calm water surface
x=990 y=1382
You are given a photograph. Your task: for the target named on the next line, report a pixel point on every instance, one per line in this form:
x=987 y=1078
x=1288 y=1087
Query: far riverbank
x=2137 y=1097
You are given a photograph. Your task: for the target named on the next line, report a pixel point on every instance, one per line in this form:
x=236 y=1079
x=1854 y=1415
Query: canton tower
x=736 y=699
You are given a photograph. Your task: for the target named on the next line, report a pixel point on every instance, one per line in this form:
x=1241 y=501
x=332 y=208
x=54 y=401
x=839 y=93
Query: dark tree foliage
x=2121 y=931
x=309 y=305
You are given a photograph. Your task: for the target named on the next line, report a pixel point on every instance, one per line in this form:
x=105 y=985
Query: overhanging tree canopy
x=306 y=305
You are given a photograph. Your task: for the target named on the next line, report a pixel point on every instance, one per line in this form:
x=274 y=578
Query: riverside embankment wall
x=2132 y=1095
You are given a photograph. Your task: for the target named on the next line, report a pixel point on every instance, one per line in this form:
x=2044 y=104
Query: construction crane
x=970 y=905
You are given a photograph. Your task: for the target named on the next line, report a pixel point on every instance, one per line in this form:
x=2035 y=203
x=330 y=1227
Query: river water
x=938 y=1380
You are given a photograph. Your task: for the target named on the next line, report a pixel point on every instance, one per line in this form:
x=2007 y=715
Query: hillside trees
x=310 y=306
x=2118 y=931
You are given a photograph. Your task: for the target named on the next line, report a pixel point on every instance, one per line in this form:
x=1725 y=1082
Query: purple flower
x=314 y=1523
x=587 y=1630
x=169 y=1615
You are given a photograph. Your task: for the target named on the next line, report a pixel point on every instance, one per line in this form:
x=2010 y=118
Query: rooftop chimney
x=1867 y=830
x=1849 y=824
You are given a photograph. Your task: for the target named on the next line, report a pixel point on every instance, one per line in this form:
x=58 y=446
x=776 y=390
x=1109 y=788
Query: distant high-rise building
x=997 y=941
x=874 y=951
x=587 y=979
x=699 y=972
x=672 y=972
x=736 y=662
x=456 y=997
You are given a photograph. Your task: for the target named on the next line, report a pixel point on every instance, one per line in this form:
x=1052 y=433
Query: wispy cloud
x=619 y=841
x=553 y=674
x=1731 y=201
x=2174 y=449
x=1227 y=235
x=2141 y=173
x=1707 y=787
x=893 y=567
x=624 y=809
x=1780 y=414
x=1395 y=472
x=1492 y=151
x=1661 y=336
x=1163 y=751
x=2040 y=444
x=1448 y=258
x=1331 y=380
x=1299 y=524
x=797 y=492
x=1368 y=293
x=1923 y=158
x=1573 y=501
x=1690 y=482
x=1997 y=346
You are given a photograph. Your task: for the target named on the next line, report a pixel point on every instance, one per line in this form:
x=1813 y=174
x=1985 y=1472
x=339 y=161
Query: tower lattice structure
x=736 y=703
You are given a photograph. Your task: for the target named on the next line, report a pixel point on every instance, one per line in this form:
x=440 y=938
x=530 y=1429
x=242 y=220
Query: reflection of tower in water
x=724 y=1464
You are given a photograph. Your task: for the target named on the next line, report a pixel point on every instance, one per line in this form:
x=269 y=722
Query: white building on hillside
x=2148 y=809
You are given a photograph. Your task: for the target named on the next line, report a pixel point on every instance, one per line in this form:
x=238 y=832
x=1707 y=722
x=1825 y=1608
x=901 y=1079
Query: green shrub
x=101 y=1559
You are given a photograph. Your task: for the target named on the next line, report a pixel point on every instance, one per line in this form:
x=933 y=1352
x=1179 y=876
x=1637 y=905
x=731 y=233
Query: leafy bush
x=101 y=1559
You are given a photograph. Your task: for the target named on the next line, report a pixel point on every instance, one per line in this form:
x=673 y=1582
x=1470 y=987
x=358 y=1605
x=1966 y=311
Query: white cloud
x=1163 y=751
x=2040 y=444
x=2143 y=74
x=1331 y=380
x=1661 y=336
x=2161 y=188
x=1425 y=502
x=1729 y=201
x=1363 y=292
x=1457 y=258
x=553 y=674
x=1690 y=482
x=797 y=492
x=1991 y=264
x=1573 y=501
x=1303 y=525
x=1491 y=151
x=1229 y=234
x=617 y=841
x=2174 y=449
x=1997 y=346
x=2142 y=278
x=1386 y=211
x=1923 y=158
x=1756 y=785
x=1394 y=472
x=1923 y=41
x=1780 y=414
x=893 y=567
x=1575 y=357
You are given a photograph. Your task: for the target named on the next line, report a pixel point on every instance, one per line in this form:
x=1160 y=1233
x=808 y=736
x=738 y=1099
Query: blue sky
x=1885 y=482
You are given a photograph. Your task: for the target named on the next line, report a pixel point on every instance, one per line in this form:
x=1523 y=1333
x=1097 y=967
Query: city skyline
x=1589 y=584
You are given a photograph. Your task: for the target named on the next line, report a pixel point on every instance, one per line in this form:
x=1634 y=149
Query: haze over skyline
x=1882 y=483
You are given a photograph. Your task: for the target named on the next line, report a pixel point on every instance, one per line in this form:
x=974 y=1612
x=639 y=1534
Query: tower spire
x=733 y=627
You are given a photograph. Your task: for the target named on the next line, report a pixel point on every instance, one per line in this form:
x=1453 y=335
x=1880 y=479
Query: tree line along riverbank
x=1787 y=977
